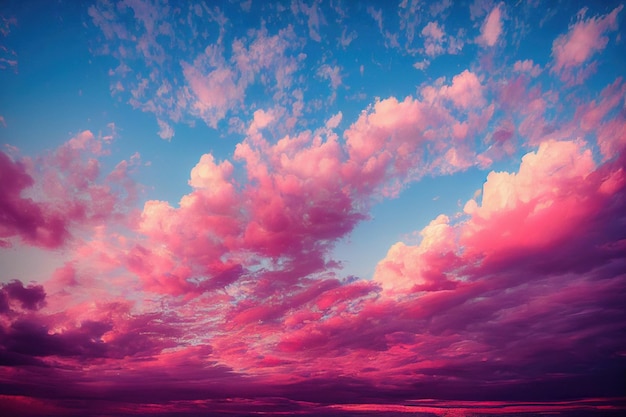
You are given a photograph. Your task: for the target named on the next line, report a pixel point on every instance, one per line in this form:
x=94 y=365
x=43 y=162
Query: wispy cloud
x=584 y=39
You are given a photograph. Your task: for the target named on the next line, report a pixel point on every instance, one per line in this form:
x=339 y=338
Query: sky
x=306 y=207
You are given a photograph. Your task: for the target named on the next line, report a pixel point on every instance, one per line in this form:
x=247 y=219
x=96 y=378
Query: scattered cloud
x=434 y=36
x=491 y=28
x=334 y=121
x=332 y=74
x=165 y=130
x=421 y=65
x=230 y=295
x=527 y=66
x=465 y=90
x=584 y=39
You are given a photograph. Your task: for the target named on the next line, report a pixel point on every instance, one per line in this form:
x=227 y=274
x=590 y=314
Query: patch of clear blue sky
x=400 y=219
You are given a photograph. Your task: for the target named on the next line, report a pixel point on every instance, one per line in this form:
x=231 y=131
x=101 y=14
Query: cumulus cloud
x=490 y=269
x=303 y=192
x=406 y=268
x=465 y=91
x=31 y=297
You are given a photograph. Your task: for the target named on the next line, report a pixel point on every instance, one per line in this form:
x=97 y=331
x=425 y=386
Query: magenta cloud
x=437 y=307
x=44 y=199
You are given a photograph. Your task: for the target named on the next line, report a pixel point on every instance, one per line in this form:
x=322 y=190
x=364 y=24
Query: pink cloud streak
x=491 y=28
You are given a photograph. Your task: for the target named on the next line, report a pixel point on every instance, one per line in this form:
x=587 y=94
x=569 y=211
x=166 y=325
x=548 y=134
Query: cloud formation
x=47 y=197
x=584 y=39
x=501 y=293
x=492 y=27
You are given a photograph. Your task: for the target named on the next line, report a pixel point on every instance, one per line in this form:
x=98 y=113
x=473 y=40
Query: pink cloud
x=261 y=120
x=165 y=130
x=268 y=218
x=294 y=170
x=492 y=269
x=527 y=66
x=48 y=197
x=421 y=65
x=379 y=152
x=36 y=329
x=390 y=39
x=465 y=92
x=14 y=295
x=435 y=308
x=334 y=121
x=388 y=141
x=432 y=30
x=215 y=91
x=434 y=35
x=528 y=105
x=504 y=191
x=437 y=42
x=232 y=223
x=303 y=192
x=22 y=216
x=492 y=27
x=267 y=53
x=182 y=306
x=214 y=180
x=332 y=74
x=597 y=118
x=408 y=267
x=347 y=38
x=314 y=18
x=523 y=211
x=584 y=39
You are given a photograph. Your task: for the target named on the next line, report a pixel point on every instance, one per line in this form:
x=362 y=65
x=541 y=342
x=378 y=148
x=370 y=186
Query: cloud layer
x=231 y=299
